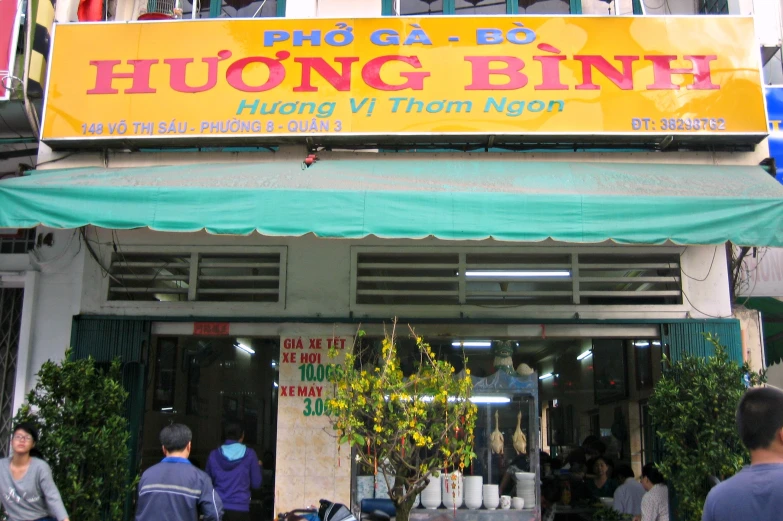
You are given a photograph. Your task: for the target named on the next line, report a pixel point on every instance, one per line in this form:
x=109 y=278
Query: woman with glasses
x=27 y=490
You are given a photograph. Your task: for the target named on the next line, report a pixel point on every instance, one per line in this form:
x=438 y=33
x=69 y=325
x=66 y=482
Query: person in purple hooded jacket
x=234 y=469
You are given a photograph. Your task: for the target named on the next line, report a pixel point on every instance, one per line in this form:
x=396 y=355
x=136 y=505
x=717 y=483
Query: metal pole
x=259 y=8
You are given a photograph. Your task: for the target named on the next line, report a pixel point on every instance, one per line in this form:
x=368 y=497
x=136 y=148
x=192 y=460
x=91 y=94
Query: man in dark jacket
x=175 y=489
x=234 y=468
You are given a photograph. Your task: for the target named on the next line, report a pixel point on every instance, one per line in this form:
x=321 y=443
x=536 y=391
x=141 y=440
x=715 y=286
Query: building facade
x=218 y=201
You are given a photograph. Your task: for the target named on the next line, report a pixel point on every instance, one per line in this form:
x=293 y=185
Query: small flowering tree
x=410 y=427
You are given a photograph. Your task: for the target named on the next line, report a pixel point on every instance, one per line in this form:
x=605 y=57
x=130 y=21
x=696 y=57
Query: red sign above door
x=211 y=328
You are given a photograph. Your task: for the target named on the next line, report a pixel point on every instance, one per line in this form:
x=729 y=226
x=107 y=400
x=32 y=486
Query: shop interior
x=207 y=383
x=592 y=389
x=590 y=399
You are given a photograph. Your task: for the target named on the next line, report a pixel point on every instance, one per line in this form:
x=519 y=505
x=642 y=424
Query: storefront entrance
x=590 y=378
x=592 y=386
x=208 y=383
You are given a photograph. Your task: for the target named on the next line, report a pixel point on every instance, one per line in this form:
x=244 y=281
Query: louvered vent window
x=511 y=278
x=198 y=276
x=518 y=278
x=629 y=279
x=406 y=278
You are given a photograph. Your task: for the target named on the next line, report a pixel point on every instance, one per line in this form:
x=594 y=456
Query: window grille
x=713 y=7
x=204 y=276
x=10 y=325
x=514 y=277
x=17 y=241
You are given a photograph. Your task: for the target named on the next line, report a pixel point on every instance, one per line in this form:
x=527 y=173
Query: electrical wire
x=10 y=128
x=97 y=260
x=714 y=252
x=755 y=275
x=648 y=6
x=66 y=156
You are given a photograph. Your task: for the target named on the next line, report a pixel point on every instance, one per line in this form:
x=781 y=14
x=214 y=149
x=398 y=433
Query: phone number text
x=679 y=124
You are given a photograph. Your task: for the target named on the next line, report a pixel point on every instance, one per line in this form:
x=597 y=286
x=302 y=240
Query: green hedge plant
x=693 y=409
x=78 y=408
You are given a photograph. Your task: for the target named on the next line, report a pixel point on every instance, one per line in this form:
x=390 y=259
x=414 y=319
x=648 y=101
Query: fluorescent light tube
x=519 y=273
x=656 y=342
x=642 y=343
x=584 y=355
x=472 y=343
x=244 y=348
x=545 y=376
x=167 y=408
x=490 y=399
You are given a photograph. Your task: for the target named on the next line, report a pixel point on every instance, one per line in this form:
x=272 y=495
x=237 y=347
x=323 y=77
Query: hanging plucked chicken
x=496 y=438
x=519 y=438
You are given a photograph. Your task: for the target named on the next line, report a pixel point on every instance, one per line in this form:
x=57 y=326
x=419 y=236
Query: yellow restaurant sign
x=448 y=76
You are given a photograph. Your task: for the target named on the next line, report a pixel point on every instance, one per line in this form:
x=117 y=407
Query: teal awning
x=413 y=197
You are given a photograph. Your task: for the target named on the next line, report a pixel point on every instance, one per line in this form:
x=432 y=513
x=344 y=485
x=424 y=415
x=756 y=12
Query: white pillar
x=25 y=338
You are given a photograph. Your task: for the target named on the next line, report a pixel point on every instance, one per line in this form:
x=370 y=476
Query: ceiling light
x=490 y=399
x=656 y=342
x=584 y=355
x=642 y=343
x=518 y=273
x=167 y=408
x=244 y=348
x=275 y=384
x=545 y=376
x=472 y=343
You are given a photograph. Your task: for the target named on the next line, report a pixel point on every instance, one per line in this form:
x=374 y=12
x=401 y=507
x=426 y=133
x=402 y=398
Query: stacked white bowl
x=472 y=492
x=491 y=496
x=430 y=496
x=526 y=487
x=451 y=490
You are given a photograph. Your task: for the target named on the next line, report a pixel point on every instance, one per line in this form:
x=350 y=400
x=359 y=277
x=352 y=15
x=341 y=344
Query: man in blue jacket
x=175 y=489
x=234 y=468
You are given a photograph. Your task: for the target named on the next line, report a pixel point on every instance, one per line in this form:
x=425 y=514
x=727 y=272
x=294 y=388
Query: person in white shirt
x=628 y=496
x=655 y=503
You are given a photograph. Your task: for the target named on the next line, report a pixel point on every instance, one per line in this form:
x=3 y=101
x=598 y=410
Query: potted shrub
x=408 y=429
x=693 y=408
x=78 y=408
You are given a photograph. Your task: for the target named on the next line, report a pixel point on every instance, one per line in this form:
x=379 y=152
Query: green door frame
x=105 y=339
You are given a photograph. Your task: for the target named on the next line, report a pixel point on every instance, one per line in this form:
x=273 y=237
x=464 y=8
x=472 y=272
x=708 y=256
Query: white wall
x=705 y=281
x=52 y=297
x=319 y=274
x=664 y=7
x=750 y=324
x=599 y=7
x=332 y=8
x=65 y=11
x=775 y=375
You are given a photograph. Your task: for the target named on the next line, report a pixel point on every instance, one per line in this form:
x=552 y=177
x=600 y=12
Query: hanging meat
x=519 y=438
x=496 y=438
